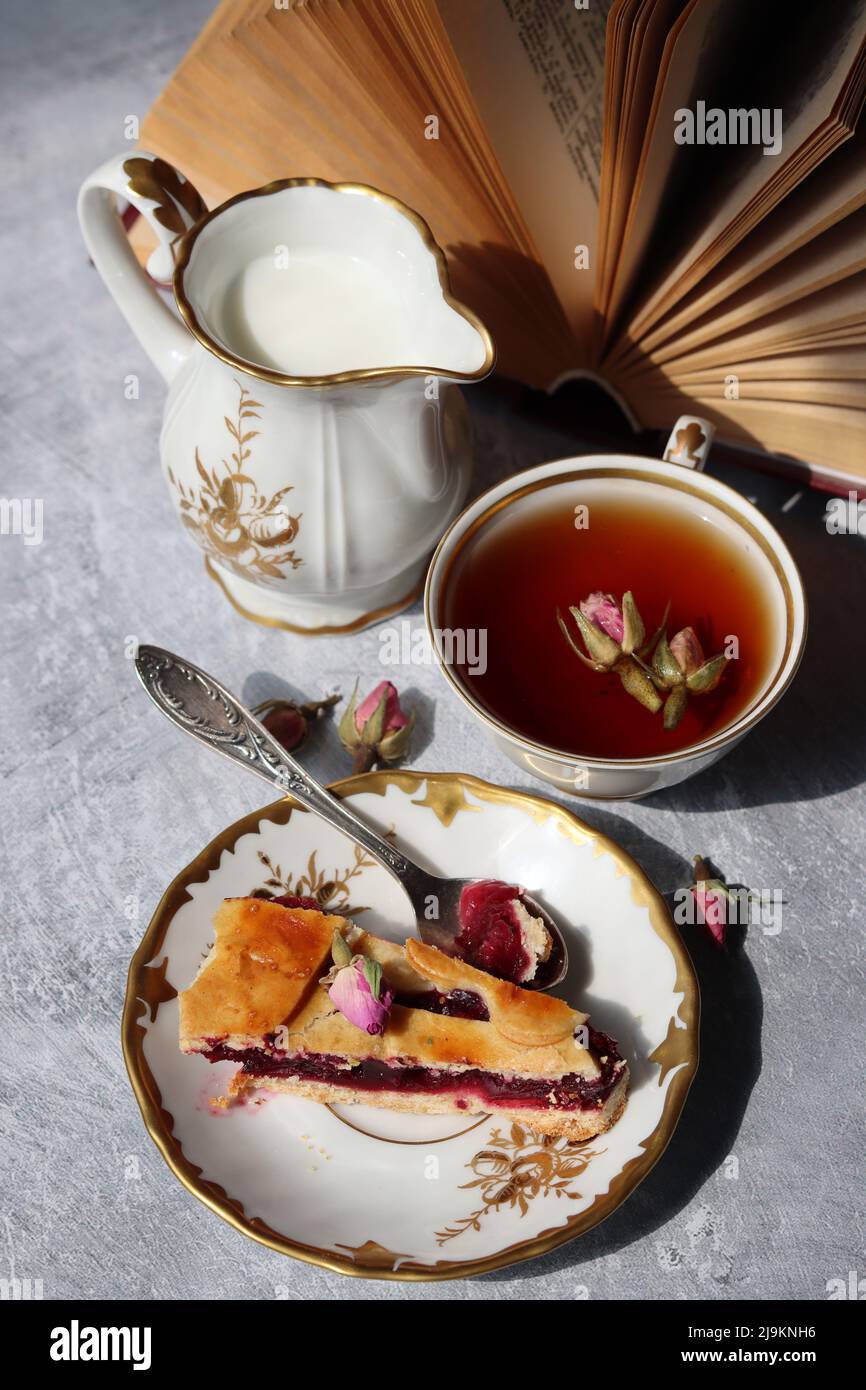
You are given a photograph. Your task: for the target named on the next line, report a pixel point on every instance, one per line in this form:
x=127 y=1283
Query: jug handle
x=171 y=205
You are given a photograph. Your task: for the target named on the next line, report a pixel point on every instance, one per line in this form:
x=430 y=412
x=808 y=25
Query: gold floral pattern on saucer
x=331 y=890
x=516 y=1168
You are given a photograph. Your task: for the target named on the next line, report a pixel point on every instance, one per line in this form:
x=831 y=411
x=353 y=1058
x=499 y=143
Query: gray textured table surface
x=102 y=802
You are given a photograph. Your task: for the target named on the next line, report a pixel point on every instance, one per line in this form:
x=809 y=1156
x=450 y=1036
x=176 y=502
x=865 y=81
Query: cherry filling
x=291 y=900
x=457 y=1003
x=491 y=937
x=571 y=1092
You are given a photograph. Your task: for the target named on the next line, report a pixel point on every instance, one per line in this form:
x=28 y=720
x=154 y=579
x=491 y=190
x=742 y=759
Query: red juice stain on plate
x=511 y=577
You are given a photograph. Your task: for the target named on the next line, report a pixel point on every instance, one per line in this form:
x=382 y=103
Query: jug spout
x=307 y=283
x=453 y=342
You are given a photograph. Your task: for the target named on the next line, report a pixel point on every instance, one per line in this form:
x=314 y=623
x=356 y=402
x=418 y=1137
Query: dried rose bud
x=621 y=624
x=687 y=650
x=675 y=706
x=702 y=681
x=680 y=667
x=613 y=635
x=377 y=729
x=393 y=718
x=288 y=726
x=290 y=723
x=355 y=988
x=605 y=612
x=711 y=899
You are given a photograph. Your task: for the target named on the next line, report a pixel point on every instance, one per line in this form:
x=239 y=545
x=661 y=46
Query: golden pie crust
x=265 y=961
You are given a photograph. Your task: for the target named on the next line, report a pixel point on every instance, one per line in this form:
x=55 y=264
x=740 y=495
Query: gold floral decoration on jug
x=230 y=519
x=169 y=190
x=517 y=1168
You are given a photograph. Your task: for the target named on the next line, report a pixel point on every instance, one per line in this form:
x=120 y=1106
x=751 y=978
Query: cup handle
x=689 y=442
x=171 y=205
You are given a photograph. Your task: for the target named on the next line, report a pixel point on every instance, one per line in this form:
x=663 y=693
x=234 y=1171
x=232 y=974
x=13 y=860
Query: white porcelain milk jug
x=314 y=442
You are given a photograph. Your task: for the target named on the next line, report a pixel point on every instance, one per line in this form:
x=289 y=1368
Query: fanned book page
x=666 y=194
x=541 y=101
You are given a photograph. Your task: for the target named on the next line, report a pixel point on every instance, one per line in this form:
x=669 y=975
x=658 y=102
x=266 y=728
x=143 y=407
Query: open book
x=665 y=194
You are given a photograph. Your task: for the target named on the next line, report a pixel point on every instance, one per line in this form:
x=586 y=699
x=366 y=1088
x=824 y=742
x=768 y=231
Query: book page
x=829 y=364
x=828 y=315
x=536 y=72
x=802 y=63
x=830 y=194
x=640 y=54
x=830 y=258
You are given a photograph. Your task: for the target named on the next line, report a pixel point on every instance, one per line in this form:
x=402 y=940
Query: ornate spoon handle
x=201 y=706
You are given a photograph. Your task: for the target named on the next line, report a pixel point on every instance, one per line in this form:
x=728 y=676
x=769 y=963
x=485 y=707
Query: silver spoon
x=201 y=706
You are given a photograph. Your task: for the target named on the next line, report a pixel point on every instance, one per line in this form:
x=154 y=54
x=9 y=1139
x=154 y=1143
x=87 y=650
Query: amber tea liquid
x=531 y=558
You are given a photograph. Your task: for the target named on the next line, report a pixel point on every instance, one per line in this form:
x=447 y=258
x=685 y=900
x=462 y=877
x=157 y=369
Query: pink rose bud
x=605 y=612
x=711 y=900
x=680 y=667
x=393 y=716
x=356 y=990
x=614 y=636
x=687 y=651
x=377 y=729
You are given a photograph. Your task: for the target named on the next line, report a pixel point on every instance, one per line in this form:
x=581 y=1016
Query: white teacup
x=764 y=552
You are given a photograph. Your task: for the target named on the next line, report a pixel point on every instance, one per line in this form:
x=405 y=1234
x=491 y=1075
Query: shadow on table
x=813 y=744
x=731 y=1019
x=322 y=754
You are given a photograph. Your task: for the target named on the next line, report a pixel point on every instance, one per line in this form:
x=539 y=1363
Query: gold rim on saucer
x=147 y=988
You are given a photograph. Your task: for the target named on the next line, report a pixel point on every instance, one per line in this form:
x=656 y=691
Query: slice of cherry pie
x=453 y=1039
